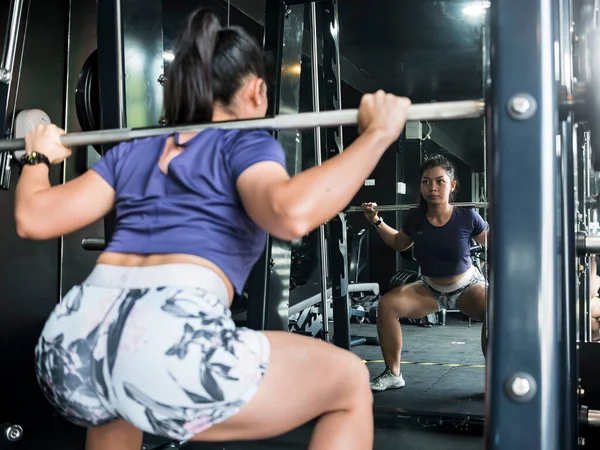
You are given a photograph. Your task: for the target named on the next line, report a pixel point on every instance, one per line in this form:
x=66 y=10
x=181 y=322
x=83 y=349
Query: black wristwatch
x=33 y=158
x=379 y=222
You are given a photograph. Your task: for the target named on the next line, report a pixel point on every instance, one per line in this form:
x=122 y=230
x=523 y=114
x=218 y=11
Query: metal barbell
x=384 y=208
x=465 y=109
x=99 y=244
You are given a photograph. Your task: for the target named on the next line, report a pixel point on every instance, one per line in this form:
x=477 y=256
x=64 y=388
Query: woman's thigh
x=305 y=378
x=473 y=301
x=595 y=307
x=64 y=355
x=412 y=300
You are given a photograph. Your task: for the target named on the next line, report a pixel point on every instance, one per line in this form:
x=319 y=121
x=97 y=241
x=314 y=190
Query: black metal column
x=130 y=60
x=585 y=324
x=568 y=360
x=110 y=65
x=525 y=387
x=111 y=78
x=4 y=88
x=7 y=74
x=333 y=145
x=583 y=261
x=258 y=284
x=5 y=158
x=269 y=281
x=568 y=355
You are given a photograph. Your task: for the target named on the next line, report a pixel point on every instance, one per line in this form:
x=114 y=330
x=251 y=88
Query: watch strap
x=33 y=158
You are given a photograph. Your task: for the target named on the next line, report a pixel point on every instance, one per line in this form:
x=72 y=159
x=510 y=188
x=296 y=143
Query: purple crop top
x=194 y=209
x=444 y=251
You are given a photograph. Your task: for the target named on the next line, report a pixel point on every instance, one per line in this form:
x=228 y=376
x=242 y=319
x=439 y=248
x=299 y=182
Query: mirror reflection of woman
x=595 y=300
x=441 y=234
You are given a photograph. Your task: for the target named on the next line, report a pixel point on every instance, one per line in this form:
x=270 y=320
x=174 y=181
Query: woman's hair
x=430 y=163
x=210 y=65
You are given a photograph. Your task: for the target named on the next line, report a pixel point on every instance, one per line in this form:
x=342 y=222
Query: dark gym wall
x=29 y=270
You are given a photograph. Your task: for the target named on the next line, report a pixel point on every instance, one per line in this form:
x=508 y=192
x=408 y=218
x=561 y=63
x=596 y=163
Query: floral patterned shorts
x=448 y=297
x=160 y=353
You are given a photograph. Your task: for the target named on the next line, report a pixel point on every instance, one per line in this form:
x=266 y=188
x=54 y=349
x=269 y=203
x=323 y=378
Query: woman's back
x=194 y=207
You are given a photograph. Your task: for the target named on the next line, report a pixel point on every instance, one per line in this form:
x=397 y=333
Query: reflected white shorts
x=448 y=297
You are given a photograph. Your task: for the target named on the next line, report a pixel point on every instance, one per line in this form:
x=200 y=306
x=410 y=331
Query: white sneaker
x=387 y=380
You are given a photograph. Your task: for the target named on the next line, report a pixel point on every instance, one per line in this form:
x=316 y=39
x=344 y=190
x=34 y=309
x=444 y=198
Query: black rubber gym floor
x=443 y=367
x=57 y=434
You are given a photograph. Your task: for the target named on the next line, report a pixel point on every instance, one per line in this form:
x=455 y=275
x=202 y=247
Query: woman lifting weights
x=595 y=300
x=147 y=342
x=441 y=234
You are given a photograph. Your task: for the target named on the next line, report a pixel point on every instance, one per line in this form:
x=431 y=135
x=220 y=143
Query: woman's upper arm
x=82 y=201
x=257 y=163
x=481 y=238
x=403 y=241
x=68 y=207
x=258 y=186
x=480 y=229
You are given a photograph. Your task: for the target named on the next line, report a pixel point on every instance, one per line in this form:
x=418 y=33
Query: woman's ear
x=259 y=90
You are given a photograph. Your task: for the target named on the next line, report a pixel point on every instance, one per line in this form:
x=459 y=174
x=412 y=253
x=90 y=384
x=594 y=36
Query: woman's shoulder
x=412 y=217
x=467 y=214
x=413 y=213
x=249 y=137
x=468 y=211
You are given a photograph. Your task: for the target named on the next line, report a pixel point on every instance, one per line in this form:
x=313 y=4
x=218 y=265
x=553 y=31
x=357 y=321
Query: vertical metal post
x=111 y=78
x=63 y=166
x=568 y=354
x=336 y=244
x=143 y=61
x=314 y=63
x=269 y=282
x=584 y=279
x=525 y=384
x=485 y=90
x=4 y=91
x=110 y=64
x=130 y=59
x=585 y=315
x=260 y=276
x=588 y=221
x=6 y=75
x=10 y=41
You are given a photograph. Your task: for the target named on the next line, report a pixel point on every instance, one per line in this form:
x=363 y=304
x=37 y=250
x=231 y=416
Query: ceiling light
x=476 y=8
x=168 y=56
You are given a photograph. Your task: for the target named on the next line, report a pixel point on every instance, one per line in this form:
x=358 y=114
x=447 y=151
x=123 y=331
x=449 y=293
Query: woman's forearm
x=33 y=179
x=316 y=195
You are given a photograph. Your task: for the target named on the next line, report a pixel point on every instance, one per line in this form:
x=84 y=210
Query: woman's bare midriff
x=135 y=260
x=446 y=281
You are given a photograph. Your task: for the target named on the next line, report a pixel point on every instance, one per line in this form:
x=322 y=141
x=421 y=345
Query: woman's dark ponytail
x=210 y=66
x=190 y=72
